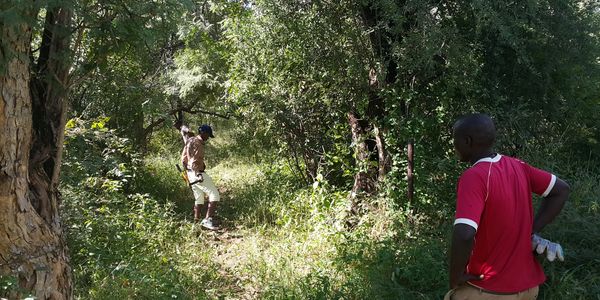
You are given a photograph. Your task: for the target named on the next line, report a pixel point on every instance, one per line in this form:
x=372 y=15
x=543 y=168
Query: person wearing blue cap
x=192 y=159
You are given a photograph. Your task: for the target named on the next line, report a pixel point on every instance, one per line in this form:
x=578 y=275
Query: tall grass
x=578 y=231
x=285 y=240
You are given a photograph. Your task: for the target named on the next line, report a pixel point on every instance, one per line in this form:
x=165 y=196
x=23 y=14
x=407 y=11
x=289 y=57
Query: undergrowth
x=130 y=234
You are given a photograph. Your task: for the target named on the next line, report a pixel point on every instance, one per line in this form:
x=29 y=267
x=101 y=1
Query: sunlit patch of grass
x=284 y=239
x=267 y=261
x=160 y=178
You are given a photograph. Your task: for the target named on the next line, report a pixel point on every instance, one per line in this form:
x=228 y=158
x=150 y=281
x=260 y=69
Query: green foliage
x=538 y=69
x=576 y=229
x=291 y=71
x=284 y=239
x=295 y=72
x=97 y=157
x=121 y=241
x=122 y=50
x=296 y=245
x=510 y=61
x=121 y=247
x=161 y=180
x=9 y=288
x=200 y=67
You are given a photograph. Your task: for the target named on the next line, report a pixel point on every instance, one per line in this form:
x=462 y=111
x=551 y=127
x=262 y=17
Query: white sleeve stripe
x=466 y=221
x=550 y=186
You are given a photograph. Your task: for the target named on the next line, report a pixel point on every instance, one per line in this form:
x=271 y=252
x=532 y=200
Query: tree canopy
x=346 y=106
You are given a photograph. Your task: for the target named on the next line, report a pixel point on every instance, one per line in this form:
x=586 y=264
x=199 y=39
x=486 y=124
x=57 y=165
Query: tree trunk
x=382 y=154
x=32 y=116
x=410 y=171
x=363 y=181
x=376 y=113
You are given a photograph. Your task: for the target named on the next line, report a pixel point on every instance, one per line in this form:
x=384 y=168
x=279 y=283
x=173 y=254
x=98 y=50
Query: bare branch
x=200 y=111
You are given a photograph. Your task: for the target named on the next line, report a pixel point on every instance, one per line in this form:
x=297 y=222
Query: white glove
x=553 y=250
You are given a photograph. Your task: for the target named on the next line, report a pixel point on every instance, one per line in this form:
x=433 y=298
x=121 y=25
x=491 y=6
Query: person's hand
x=541 y=245
x=200 y=177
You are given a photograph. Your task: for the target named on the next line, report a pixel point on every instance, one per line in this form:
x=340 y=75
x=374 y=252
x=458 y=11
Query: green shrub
x=283 y=239
x=122 y=242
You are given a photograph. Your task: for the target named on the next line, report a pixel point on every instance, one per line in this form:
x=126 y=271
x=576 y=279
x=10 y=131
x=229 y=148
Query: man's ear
x=469 y=141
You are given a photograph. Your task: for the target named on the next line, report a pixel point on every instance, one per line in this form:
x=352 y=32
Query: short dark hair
x=480 y=126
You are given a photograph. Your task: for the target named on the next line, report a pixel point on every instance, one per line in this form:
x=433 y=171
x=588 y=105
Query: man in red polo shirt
x=495 y=229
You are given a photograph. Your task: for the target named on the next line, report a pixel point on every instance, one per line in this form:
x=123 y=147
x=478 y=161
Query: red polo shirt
x=494 y=197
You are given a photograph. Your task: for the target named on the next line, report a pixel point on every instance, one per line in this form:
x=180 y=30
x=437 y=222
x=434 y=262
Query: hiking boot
x=209 y=224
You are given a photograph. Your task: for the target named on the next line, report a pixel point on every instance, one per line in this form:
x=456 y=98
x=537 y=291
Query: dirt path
x=227 y=248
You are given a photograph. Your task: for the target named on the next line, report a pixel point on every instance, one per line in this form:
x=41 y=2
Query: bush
x=283 y=239
x=122 y=242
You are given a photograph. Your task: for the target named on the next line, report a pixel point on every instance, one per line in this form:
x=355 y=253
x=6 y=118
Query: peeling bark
x=363 y=179
x=382 y=155
x=32 y=112
x=375 y=112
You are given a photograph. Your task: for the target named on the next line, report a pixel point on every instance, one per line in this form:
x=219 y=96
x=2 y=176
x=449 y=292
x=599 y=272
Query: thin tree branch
x=200 y=111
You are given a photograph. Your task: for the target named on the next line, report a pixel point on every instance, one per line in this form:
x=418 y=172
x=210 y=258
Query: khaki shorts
x=206 y=187
x=469 y=292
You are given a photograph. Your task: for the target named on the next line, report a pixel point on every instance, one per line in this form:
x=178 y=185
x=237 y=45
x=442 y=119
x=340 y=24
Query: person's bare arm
x=185 y=132
x=184 y=158
x=551 y=205
x=460 y=252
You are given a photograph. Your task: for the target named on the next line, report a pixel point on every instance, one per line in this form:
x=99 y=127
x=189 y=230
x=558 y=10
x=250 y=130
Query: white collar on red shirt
x=490 y=159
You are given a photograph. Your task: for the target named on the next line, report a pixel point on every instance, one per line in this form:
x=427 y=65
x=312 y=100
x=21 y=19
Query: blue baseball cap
x=206 y=128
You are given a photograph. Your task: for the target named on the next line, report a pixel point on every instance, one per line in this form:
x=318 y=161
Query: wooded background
x=333 y=124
